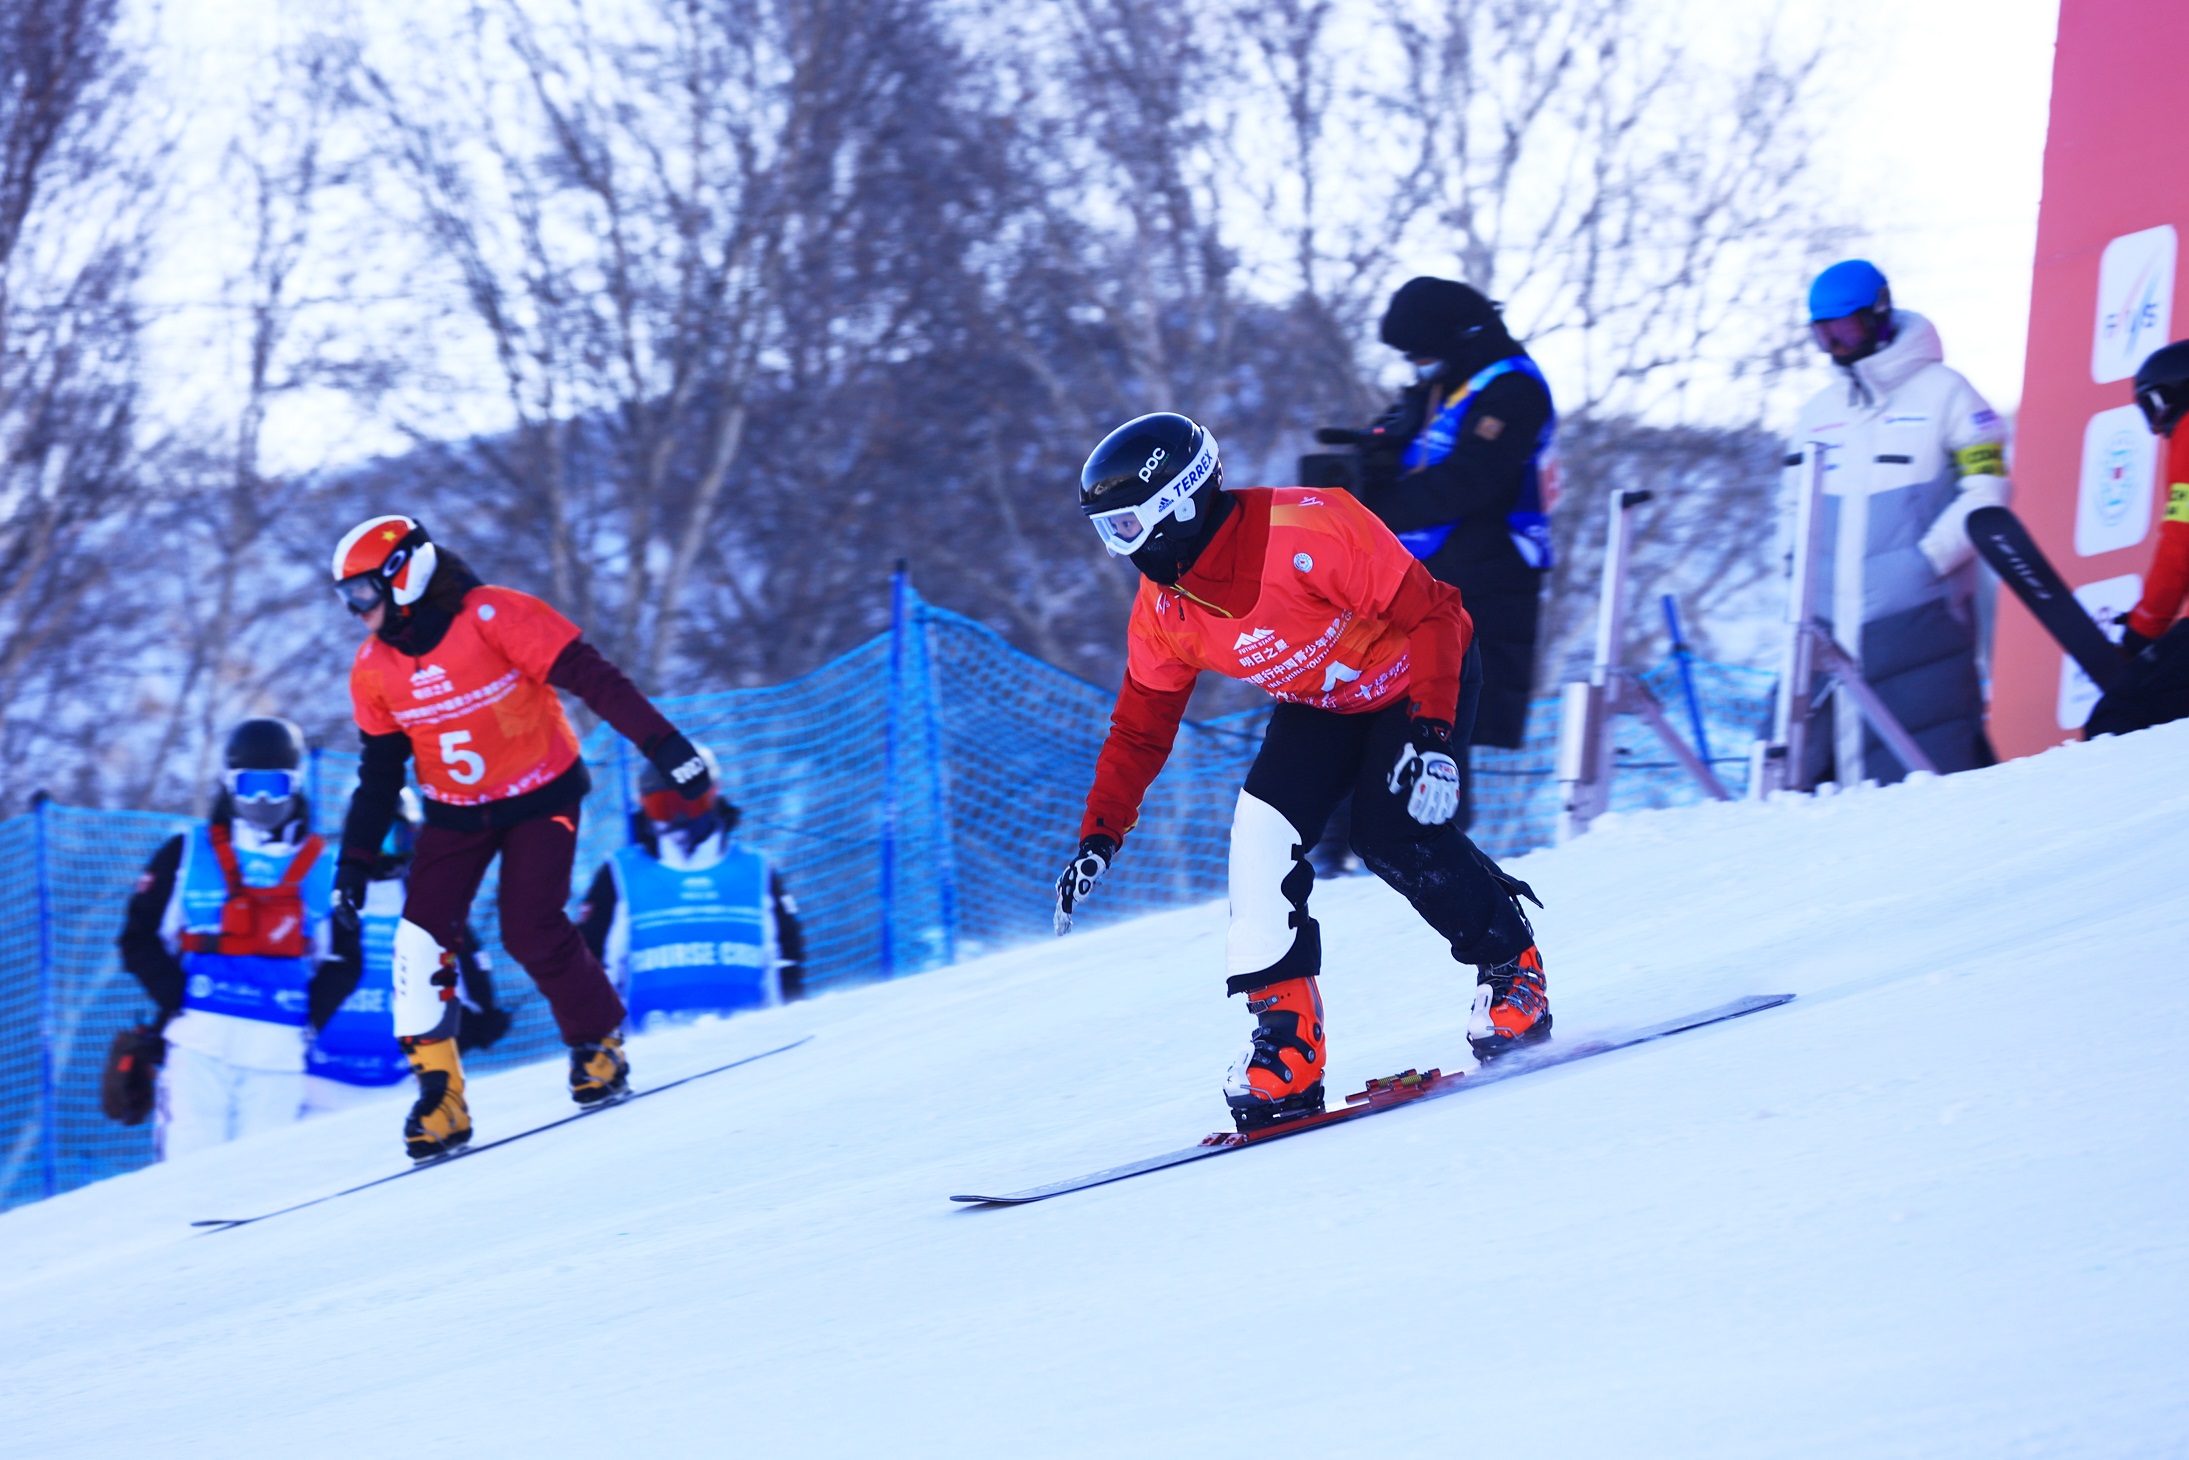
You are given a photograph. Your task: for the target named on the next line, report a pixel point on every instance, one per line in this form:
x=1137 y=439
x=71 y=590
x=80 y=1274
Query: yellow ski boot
x=439 y=1123
x=599 y=1072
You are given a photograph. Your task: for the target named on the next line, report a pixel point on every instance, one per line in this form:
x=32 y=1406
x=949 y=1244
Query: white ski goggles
x=1125 y=530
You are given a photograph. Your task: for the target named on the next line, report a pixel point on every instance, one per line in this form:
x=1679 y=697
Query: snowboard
x=223 y=1224
x=1408 y=1088
x=2005 y=543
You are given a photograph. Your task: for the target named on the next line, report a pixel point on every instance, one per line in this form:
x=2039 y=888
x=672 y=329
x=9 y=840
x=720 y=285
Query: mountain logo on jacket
x=1248 y=641
x=430 y=681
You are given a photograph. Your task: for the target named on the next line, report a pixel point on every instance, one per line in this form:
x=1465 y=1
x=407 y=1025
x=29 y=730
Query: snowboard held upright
x=2004 y=542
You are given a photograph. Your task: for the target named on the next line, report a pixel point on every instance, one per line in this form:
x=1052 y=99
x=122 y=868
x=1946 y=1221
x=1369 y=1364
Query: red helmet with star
x=386 y=559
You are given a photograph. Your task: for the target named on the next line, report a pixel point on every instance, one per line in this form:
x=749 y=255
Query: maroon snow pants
x=536 y=856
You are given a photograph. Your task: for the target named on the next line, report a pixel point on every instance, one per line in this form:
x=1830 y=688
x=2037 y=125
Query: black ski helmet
x=265 y=745
x=1440 y=319
x=2162 y=386
x=264 y=781
x=1153 y=489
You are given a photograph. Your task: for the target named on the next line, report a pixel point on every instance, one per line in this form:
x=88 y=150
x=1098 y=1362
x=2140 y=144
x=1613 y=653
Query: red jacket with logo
x=2168 y=582
x=481 y=718
x=1302 y=592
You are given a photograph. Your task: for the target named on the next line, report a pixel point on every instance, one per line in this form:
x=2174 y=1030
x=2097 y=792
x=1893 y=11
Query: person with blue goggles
x=229 y=933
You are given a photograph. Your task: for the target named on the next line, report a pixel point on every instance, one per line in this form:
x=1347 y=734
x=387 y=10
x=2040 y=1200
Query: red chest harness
x=259 y=922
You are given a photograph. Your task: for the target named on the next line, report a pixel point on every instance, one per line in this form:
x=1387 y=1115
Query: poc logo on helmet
x=1147 y=472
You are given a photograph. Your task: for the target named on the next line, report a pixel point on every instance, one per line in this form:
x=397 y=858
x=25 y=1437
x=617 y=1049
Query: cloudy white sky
x=1934 y=148
x=1940 y=156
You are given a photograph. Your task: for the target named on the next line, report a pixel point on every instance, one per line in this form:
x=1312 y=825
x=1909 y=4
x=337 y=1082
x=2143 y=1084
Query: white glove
x=1429 y=779
x=1079 y=878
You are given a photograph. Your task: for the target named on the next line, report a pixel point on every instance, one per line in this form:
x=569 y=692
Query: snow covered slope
x=1939 y=1206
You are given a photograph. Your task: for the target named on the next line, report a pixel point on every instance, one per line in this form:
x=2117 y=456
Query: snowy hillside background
x=1932 y=1208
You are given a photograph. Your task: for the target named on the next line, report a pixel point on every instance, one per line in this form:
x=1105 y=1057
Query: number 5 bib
x=483 y=723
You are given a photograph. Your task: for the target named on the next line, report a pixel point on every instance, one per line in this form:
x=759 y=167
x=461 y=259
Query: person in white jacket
x=1910 y=450
x=230 y=933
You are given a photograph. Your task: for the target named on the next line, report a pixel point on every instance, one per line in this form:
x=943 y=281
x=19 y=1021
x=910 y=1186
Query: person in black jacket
x=1461 y=468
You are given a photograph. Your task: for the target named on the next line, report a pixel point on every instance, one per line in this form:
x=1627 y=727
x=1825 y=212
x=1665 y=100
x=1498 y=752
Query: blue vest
x=699 y=941
x=1528 y=523
x=274 y=990
x=358 y=1045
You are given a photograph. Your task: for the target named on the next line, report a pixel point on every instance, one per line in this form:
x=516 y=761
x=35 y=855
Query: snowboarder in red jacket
x=2162 y=389
x=1306 y=594
x=462 y=676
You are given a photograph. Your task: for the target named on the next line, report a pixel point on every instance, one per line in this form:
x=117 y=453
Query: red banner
x=2086 y=470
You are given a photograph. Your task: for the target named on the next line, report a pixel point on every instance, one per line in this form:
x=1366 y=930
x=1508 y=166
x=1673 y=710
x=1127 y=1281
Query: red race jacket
x=1302 y=592
x=483 y=722
x=2167 y=584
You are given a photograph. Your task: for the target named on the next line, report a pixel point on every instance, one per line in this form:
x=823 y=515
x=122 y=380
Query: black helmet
x=2162 y=386
x=265 y=745
x=264 y=777
x=1151 y=489
x=1441 y=319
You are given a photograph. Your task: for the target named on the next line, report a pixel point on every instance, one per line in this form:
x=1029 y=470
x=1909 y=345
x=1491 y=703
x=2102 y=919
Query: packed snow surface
x=1938 y=1206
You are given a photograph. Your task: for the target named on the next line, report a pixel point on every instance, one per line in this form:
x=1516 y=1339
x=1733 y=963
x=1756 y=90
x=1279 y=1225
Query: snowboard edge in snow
x=1409 y=1088
x=224 y=1224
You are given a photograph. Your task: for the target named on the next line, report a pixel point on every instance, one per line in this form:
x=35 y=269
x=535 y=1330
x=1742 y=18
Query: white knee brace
x=420 y=1009
x=1262 y=904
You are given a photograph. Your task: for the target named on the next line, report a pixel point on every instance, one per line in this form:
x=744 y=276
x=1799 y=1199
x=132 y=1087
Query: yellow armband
x=1984 y=459
x=2177 y=503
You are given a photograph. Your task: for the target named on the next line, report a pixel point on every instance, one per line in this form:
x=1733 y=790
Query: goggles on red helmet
x=363 y=593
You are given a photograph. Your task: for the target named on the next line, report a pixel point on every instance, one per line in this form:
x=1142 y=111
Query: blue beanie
x=1845 y=287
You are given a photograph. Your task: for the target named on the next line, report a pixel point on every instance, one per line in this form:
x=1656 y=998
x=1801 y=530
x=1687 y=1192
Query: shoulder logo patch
x=486 y=610
x=1303 y=562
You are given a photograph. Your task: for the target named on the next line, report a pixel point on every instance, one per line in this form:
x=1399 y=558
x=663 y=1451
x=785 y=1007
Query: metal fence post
x=897 y=587
x=48 y=1076
x=938 y=794
x=621 y=749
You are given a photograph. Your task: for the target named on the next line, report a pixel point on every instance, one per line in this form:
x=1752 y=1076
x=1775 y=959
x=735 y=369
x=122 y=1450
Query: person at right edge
x=463 y=675
x=1302 y=592
x=2162 y=390
x=1910 y=450
x=1461 y=469
x=2154 y=688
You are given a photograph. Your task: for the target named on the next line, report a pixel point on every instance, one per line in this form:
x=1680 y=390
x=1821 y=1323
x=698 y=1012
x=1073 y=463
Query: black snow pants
x=1309 y=761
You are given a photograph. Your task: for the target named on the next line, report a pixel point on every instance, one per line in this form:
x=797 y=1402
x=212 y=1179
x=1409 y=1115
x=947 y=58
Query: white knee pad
x=419 y=1008
x=1261 y=914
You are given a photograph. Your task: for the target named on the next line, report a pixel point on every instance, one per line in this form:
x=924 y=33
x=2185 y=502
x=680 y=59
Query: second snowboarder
x=1304 y=593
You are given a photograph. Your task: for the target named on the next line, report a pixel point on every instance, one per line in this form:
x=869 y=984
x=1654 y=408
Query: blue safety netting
x=928 y=837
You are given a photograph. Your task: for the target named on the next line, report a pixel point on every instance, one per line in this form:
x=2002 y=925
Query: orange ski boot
x=1279 y=1076
x=1511 y=1008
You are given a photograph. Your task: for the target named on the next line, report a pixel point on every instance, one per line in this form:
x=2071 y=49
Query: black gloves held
x=681 y=764
x=1078 y=879
x=351 y=878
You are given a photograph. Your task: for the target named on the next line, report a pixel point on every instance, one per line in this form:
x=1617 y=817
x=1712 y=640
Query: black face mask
x=1173 y=548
